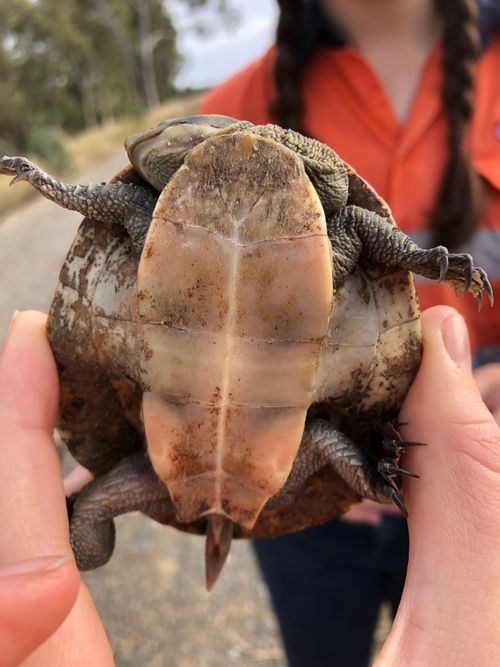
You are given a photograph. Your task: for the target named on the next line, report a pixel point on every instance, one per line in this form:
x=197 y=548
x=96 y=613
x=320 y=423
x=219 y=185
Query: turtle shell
x=211 y=351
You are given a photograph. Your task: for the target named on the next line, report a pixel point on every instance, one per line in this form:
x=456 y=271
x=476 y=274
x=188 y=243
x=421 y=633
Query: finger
x=76 y=479
x=444 y=408
x=80 y=641
x=30 y=475
x=35 y=598
x=367 y=512
x=454 y=509
x=30 y=481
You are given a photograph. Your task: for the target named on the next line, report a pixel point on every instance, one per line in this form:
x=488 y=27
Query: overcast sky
x=212 y=58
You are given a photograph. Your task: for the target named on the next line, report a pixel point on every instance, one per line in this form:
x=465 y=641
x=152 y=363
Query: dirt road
x=151 y=595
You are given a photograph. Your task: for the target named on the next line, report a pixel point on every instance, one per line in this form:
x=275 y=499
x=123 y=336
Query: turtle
x=235 y=327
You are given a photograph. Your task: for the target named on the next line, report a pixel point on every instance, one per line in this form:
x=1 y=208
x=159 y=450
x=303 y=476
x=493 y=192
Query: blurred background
x=74 y=67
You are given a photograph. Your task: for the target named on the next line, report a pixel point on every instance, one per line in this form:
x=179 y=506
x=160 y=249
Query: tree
x=74 y=64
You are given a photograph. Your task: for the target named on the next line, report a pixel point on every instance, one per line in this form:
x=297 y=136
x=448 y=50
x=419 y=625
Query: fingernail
x=33 y=565
x=456 y=341
x=13 y=319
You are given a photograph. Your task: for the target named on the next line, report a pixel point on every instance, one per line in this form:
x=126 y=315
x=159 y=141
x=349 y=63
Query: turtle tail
x=217 y=545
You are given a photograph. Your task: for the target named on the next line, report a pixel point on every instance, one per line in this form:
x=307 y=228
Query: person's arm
x=450 y=609
x=46 y=613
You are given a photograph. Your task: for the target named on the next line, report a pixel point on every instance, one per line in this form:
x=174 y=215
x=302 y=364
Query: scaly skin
x=133 y=486
x=324 y=167
x=359 y=232
x=124 y=204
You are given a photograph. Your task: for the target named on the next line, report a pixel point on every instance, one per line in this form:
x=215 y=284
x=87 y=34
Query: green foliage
x=72 y=65
x=47 y=143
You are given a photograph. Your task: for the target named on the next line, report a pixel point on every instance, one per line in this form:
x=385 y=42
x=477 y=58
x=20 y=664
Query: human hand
x=450 y=606
x=488 y=380
x=451 y=603
x=369 y=512
x=46 y=613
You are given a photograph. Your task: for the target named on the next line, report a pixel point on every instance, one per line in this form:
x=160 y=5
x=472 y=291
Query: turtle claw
x=486 y=285
x=405 y=473
x=393 y=444
x=464 y=276
x=389 y=470
x=390 y=431
x=482 y=285
x=19 y=167
x=443 y=265
x=458 y=270
x=16 y=179
x=397 y=499
x=468 y=271
x=395 y=448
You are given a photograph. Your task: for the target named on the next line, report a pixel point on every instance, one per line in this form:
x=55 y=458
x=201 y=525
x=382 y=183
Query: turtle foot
x=19 y=167
x=131 y=486
x=365 y=233
x=324 y=445
x=459 y=271
x=393 y=446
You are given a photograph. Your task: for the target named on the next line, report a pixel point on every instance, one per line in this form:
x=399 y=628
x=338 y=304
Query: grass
x=92 y=146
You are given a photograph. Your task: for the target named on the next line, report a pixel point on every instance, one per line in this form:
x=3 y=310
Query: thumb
x=451 y=602
x=35 y=597
x=460 y=467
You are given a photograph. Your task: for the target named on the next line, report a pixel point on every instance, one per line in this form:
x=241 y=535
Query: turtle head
x=157 y=153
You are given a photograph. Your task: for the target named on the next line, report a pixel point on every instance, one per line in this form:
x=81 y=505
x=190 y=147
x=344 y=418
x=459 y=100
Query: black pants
x=327 y=584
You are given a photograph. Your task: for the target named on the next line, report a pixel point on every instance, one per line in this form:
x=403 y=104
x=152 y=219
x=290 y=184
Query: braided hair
x=460 y=195
x=287 y=107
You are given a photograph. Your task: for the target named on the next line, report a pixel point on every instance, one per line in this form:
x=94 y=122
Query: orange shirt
x=346 y=107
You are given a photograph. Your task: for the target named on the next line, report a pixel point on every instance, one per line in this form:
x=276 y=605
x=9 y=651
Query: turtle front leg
x=125 y=204
x=130 y=486
x=357 y=232
x=324 y=445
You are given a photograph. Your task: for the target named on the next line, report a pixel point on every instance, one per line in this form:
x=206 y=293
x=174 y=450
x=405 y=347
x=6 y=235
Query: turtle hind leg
x=324 y=445
x=130 y=486
x=358 y=232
